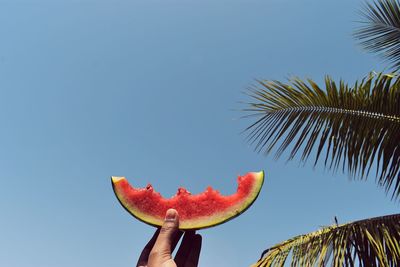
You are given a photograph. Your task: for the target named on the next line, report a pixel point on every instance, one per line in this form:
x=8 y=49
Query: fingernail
x=171 y=215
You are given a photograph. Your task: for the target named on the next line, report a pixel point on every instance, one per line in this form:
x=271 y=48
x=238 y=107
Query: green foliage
x=370 y=242
x=353 y=126
x=380 y=30
x=349 y=127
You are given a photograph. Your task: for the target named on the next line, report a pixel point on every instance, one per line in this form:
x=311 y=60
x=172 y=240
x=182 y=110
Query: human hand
x=157 y=252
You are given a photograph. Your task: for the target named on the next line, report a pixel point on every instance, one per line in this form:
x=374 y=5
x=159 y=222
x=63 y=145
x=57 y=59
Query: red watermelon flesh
x=198 y=211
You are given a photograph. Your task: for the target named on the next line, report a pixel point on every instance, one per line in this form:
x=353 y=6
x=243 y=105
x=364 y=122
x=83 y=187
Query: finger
x=144 y=256
x=169 y=263
x=162 y=249
x=176 y=238
x=184 y=249
x=194 y=255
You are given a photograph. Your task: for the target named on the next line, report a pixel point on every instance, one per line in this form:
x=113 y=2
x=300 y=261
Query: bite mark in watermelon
x=198 y=211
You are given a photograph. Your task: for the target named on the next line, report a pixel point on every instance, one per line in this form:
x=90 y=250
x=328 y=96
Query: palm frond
x=353 y=125
x=380 y=30
x=370 y=242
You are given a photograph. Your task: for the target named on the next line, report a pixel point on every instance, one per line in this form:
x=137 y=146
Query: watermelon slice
x=199 y=211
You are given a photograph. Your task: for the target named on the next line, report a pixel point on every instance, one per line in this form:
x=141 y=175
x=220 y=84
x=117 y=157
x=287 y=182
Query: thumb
x=162 y=249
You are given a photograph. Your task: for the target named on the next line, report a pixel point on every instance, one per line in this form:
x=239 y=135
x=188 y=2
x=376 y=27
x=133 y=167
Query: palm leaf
x=380 y=30
x=370 y=242
x=353 y=126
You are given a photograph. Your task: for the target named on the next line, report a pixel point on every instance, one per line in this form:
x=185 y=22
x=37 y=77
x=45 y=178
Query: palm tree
x=350 y=127
x=360 y=243
x=380 y=30
x=354 y=126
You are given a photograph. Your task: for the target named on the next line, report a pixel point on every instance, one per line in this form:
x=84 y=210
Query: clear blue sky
x=150 y=90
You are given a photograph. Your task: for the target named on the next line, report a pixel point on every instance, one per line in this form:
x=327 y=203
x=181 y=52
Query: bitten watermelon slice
x=199 y=211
